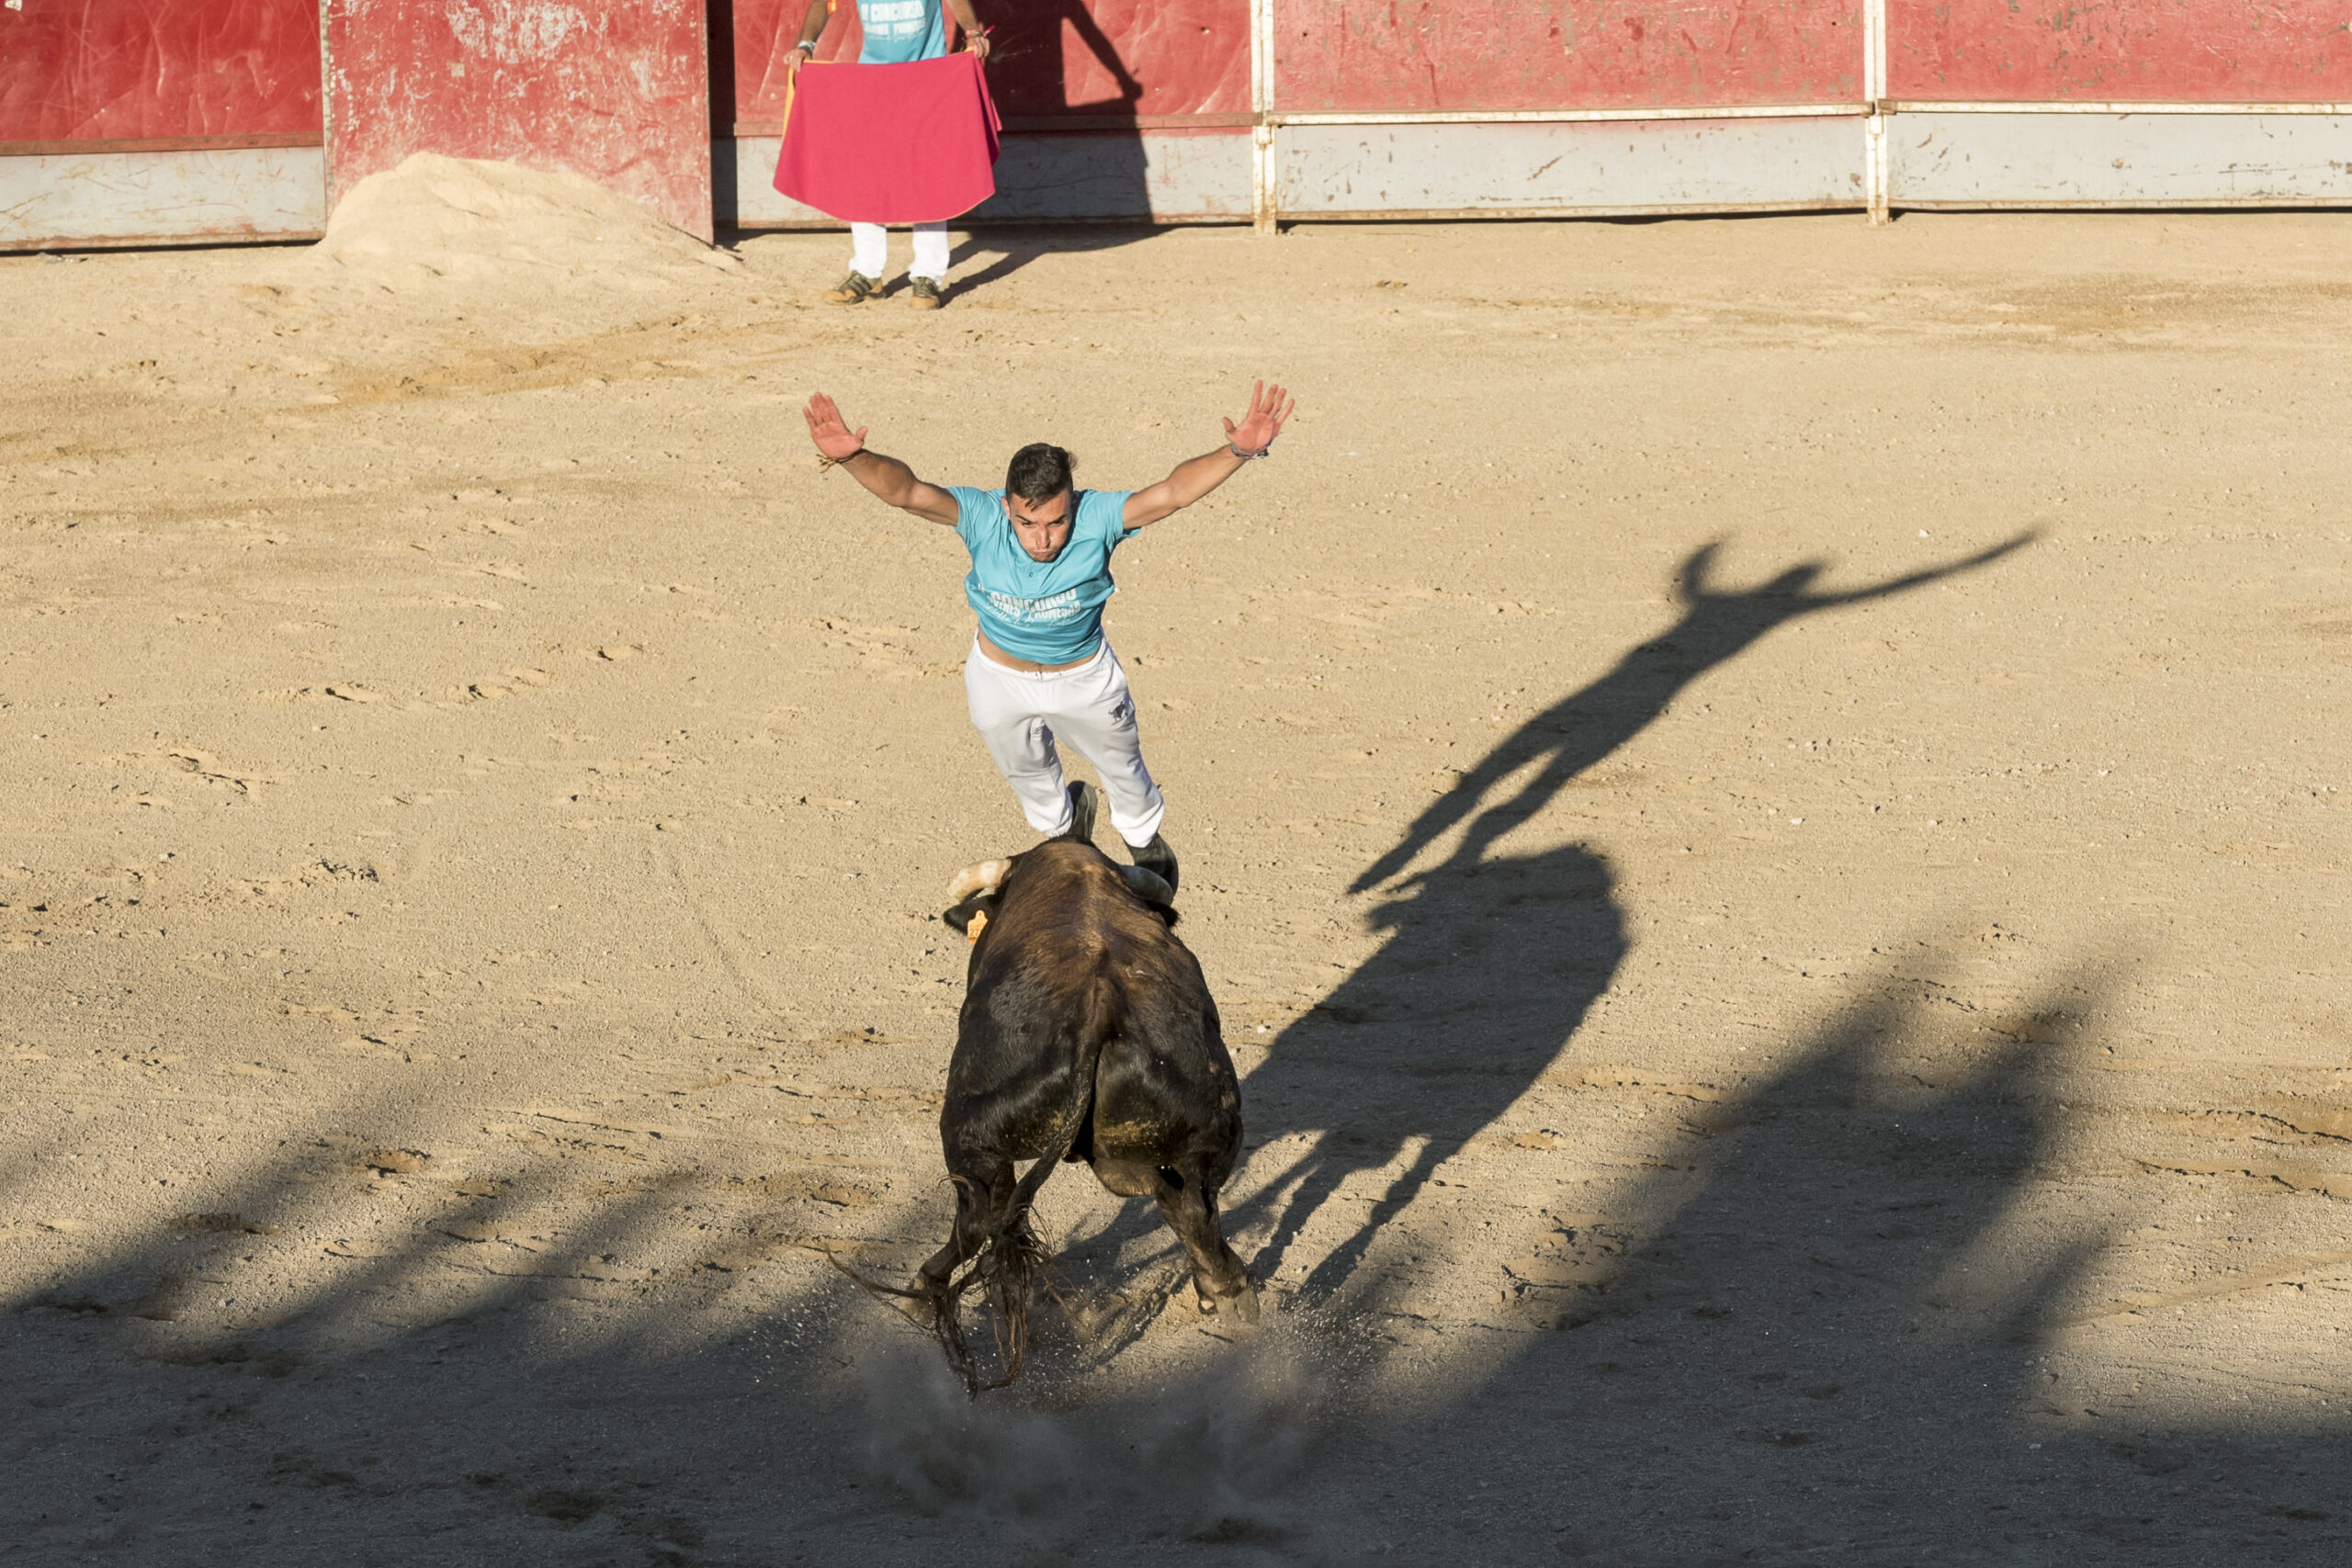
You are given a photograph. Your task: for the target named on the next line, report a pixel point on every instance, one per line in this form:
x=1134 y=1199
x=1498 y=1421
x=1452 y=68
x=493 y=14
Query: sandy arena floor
x=1767 y=804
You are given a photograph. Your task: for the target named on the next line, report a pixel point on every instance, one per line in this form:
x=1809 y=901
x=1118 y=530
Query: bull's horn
x=979 y=877
x=1150 y=884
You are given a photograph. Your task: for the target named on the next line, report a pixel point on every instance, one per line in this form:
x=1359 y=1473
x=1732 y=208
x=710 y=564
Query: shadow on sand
x=1819 y=1322
x=1491 y=961
x=1842 y=1320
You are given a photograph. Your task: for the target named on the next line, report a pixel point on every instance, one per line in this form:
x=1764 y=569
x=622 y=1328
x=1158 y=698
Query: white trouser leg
x=931 y=253
x=869 y=249
x=1020 y=712
x=1004 y=712
x=1096 y=713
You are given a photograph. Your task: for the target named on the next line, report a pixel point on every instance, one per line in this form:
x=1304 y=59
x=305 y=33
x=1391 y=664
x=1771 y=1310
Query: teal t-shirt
x=900 y=32
x=1047 y=612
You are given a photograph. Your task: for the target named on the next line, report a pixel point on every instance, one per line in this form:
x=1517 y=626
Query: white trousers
x=1019 y=713
x=870 y=251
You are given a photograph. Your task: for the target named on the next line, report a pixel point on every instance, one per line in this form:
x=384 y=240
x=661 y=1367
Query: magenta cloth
x=890 y=143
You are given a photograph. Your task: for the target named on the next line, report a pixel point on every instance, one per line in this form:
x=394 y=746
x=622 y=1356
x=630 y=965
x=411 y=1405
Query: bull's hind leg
x=978 y=1192
x=1218 y=1277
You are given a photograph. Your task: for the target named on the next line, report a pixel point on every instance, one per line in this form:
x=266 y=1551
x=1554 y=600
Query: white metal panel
x=1567 y=167
x=1154 y=176
x=1975 y=159
x=744 y=173
x=1185 y=176
x=242 y=193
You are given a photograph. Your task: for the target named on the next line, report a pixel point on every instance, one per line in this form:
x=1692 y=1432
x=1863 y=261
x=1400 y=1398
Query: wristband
x=809 y=44
x=1265 y=451
x=824 y=462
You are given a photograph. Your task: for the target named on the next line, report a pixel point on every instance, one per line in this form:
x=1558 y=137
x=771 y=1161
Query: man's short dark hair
x=1039 y=473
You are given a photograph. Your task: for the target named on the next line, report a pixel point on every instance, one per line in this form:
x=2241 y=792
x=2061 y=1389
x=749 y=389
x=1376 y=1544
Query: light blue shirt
x=1046 y=612
x=900 y=32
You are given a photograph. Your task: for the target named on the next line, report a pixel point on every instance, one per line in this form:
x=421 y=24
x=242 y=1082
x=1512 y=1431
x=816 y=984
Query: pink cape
x=889 y=143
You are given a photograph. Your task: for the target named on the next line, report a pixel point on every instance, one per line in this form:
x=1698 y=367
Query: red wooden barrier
x=1053 y=58
x=197 y=102
x=203 y=73
x=617 y=91
x=762 y=33
x=2120 y=50
x=1381 y=56
x=1095 y=58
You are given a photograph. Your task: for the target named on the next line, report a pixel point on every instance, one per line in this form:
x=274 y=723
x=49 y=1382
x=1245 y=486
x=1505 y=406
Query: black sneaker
x=1157 y=858
x=1081 y=812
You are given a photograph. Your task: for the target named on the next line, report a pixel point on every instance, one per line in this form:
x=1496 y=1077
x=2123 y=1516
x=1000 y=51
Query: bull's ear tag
x=980 y=923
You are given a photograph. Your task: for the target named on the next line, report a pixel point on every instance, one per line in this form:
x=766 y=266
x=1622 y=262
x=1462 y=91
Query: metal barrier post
x=1265 y=196
x=1874 y=94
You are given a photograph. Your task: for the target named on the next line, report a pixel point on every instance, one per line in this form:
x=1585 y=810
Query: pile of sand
x=435 y=221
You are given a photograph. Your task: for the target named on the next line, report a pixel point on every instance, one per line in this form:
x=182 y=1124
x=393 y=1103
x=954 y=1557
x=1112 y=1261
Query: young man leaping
x=1041 y=573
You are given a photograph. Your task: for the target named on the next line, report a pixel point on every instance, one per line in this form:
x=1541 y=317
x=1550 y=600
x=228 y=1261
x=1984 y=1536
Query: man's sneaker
x=854 y=289
x=926 y=295
x=1081 y=813
x=1157 y=858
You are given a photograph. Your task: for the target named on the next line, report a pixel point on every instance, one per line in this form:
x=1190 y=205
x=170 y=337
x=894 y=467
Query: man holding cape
x=898 y=32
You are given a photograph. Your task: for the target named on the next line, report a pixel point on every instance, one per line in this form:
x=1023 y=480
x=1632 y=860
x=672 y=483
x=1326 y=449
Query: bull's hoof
x=1241 y=1304
x=920 y=1304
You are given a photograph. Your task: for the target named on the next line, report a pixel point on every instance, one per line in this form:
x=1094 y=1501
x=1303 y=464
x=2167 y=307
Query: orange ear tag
x=980 y=923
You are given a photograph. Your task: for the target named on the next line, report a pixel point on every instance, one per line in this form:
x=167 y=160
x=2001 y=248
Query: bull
x=1087 y=1034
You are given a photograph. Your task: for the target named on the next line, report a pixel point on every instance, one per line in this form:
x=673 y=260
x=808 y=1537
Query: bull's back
x=1072 y=970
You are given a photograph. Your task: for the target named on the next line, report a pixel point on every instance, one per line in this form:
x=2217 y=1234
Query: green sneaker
x=926 y=296
x=854 y=289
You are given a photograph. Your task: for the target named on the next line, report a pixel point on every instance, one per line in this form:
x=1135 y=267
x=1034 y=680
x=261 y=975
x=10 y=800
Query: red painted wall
x=762 y=33
x=99 y=70
x=618 y=90
x=2176 y=50
x=1423 y=55
x=1052 y=57
x=1119 y=57
x=1175 y=57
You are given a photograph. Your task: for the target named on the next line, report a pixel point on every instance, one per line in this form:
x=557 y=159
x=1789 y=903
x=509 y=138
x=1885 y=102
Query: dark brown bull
x=1087 y=1034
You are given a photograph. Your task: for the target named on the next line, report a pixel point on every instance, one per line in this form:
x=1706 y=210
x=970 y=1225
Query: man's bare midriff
x=998 y=656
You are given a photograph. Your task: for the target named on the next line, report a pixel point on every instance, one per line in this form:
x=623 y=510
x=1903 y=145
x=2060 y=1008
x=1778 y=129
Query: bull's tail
x=1010 y=1256
x=1009 y=1261
x=1105 y=1011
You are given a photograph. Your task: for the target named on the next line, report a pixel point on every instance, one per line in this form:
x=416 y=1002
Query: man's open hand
x=831 y=433
x=1268 y=406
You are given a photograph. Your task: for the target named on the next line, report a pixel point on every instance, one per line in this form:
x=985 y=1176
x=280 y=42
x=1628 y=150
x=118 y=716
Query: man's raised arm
x=1195 y=477
x=889 y=478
